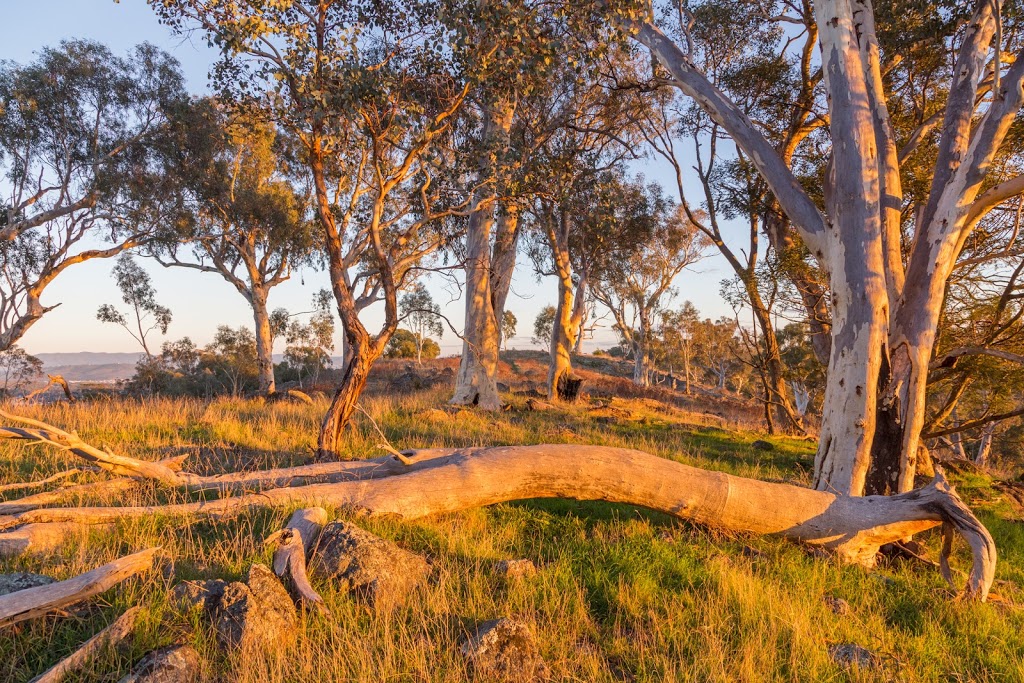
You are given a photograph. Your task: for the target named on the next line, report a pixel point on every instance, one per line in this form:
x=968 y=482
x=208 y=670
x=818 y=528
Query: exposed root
x=41 y=600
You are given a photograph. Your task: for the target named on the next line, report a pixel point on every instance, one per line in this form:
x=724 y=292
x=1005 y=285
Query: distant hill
x=95 y=373
x=51 y=360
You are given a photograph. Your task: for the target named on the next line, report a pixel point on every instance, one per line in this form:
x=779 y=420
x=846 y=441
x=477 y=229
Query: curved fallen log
x=852 y=527
x=41 y=600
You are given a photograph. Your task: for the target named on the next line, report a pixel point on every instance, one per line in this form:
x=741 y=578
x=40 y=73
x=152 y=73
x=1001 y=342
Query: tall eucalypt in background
x=78 y=131
x=373 y=96
x=242 y=215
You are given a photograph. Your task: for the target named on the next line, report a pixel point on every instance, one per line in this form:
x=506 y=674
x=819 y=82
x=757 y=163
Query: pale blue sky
x=201 y=302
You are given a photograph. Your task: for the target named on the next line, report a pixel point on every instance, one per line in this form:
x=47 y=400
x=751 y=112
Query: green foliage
x=405 y=344
x=508 y=326
x=543 y=326
x=145 y=314
x=17 y=369
x=310 y=345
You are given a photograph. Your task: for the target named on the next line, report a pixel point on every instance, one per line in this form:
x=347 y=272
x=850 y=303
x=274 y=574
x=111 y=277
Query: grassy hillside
x=621 y=595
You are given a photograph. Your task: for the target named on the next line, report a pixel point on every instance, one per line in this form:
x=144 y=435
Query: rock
x=850 y=655
x=504 y=388
x=516 y=568
x=537 y=404
x=752 y=553
x=256 y=614
x=837 y=605
x=19 y=581
x=174 y=664
x=190 y=595
x=505 y=650
x=762 y=445
x=373 y=569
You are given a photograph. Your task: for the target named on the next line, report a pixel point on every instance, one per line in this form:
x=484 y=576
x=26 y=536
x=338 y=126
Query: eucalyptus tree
x=636 y=285
x=373 y=95
x=77 y=131
x=735 y=48
x=242 y=217
x=885 y=304
x=422 y=317
x=514 y=56
x=145 y=315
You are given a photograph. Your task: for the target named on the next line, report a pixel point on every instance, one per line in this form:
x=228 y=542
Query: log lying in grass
x=122 y=627
x=41 y=600
x=40 y=538
x=852 y=527
x=167 y=472
x=66 y=494
x=117 y=464
x=294 y=544
x=25 y=485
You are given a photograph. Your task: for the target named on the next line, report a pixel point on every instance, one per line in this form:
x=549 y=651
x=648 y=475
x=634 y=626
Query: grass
x=622 y=594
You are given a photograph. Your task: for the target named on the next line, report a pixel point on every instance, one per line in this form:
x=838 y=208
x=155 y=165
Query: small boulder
x=837 y=605
x=516 y=568
x=373 y=569
x=174 y=664
x=256 y=614
x=505 y=651
x=850 y=655
x=206 y=595
x=19 y=581
x=762 y=445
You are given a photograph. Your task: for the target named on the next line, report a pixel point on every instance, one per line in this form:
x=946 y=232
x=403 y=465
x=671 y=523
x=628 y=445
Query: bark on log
x=852 y=527
x=108 y=637
x=39 y=538
x=41 y=600
x=295 y=542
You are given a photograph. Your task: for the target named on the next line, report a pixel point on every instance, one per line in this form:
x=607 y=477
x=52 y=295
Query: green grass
x=622 y=594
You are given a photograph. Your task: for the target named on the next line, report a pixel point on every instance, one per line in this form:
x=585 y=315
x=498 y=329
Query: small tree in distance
x=145 y=314
x=543 y=326
x=422 y=318
x=508 y=327
x=17 y=368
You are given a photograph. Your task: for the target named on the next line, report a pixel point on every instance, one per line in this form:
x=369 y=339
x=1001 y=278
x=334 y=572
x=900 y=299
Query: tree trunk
x=562 y=340
x=503 y=259
x=775 y=382
x=477 y=381
x=641 y=370
x=346 y=398
x=264 y=343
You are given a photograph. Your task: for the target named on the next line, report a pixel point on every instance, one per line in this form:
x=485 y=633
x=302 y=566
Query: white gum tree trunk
x=884 y=316
x=477 y=379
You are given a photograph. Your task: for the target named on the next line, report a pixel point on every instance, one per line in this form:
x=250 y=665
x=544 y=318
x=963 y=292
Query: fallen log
x=854 y=528
x=41 y=538
x=108 y=637
x=41 y=600
x=294 y=544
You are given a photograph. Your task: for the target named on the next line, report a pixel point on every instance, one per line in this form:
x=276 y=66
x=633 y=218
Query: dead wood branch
x=41 y=600
x=16 y=486
x=108 y=637
x=852 y=527
x=54 y=379
x=294 y=544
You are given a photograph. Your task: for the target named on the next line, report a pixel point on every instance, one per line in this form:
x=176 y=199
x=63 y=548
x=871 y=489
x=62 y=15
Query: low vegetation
x=622 y=594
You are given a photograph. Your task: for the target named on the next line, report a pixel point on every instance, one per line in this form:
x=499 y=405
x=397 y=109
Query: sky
x=201 y=301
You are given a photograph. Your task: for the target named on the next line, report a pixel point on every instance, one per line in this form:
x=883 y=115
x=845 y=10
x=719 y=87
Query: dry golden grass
x=622 y=594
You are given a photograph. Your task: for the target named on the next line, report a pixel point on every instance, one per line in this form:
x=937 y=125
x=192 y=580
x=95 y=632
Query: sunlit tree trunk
x=477 y=380
x=264 y=342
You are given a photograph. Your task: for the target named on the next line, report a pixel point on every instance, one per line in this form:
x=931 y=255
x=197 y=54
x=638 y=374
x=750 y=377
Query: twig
x=405 y=460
